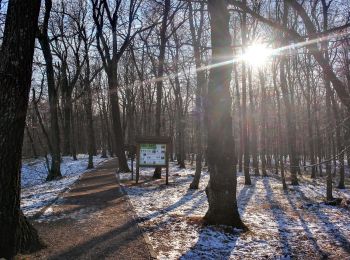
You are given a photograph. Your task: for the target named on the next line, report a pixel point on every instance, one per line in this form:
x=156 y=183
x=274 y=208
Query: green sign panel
x=152 y=155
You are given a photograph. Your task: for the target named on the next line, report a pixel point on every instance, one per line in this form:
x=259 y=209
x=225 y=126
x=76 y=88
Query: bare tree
x=196 y=37
x=111 y=54
x=43 y=36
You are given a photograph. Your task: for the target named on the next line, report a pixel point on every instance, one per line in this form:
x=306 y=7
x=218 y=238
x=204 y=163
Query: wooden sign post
x=131 y=152
x=152 y=152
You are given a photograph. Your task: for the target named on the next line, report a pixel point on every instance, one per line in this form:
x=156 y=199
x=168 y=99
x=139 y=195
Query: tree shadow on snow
x=280 y=218
x=244 y=196
x=188 y=196
x=306 y=228
x=196 y=205
x=215 y=242
x=329 y=227
x=212 y=244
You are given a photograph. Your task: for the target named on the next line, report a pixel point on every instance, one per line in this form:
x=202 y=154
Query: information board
x=152 y=155
x=153 y=151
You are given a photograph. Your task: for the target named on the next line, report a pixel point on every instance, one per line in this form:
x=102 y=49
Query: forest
x=251 y=96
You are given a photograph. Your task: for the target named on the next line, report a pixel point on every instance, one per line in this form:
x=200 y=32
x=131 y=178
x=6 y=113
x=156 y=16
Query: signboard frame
x=154 y=140
x=152 y=165
x=131 y=151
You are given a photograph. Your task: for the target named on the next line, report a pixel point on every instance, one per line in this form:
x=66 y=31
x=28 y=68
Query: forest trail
x=94 y=220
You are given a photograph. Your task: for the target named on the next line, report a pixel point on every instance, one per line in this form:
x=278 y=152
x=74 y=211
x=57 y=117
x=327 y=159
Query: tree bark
x=116 y=122
x=221 y=190
x=327 y=82
x=16 y=57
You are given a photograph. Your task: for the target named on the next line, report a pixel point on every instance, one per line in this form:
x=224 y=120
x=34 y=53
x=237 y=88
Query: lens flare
x=257 y=55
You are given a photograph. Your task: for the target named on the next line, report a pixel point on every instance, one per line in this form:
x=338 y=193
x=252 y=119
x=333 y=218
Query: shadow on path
x=103 y=245
x=94 y=221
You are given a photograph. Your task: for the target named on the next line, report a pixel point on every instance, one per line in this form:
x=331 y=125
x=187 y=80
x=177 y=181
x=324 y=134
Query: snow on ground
x=283 y=225
x=36 y=193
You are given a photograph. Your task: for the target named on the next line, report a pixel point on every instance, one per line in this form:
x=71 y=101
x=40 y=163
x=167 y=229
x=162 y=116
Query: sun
x=257 y=55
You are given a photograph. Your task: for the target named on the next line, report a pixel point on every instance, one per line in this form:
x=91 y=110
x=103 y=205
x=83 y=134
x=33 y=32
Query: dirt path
x=94 y=220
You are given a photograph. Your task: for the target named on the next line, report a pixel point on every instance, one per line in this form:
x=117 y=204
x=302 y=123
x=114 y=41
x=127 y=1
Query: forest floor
x=93 y=220
x=292 y=224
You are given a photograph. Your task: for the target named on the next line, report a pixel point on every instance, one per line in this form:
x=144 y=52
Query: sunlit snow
x=283 y=225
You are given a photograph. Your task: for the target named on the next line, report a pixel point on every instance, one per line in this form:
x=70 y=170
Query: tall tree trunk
x=329 y=144
x=74 y=135
x=339 y=143
x=67 y=109
x=329 y=134
x=160 y=74
x=104 y=140
x=90 y=127
x=240 y=119
x=16 y=57
x=116 y=122
x=130 y=112
x=180 y=120
x=180 y=157
x=221 y=189
x=290 y=125
x=32 y=143
x=108 y=128
x=88 y=109
x=245 y=136
x=263 y=124
x=254 y=135
x=289 y=108
x=310 y=130
x=41 y=123
x=55 y=170
x=201 y=82
x=198 y=133
x=319 y=144
x=103 y=129
x=280 y=135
